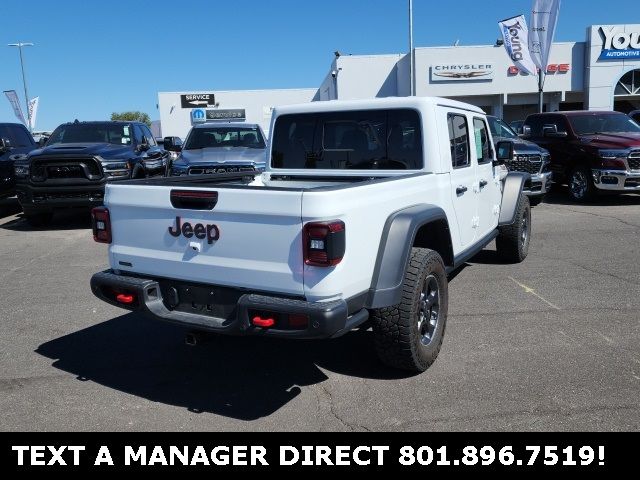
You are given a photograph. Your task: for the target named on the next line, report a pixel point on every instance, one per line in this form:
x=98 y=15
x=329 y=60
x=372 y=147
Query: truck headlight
x=611 y=153
x=21 y=170
x=119 y=169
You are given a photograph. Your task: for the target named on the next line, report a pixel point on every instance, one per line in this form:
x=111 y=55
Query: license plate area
x=212 y=301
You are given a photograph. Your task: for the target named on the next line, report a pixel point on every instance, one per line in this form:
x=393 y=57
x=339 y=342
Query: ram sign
x=619 y=45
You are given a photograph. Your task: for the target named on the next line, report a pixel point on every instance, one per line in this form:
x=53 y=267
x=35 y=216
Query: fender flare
x=511 y=191
x=398 y=237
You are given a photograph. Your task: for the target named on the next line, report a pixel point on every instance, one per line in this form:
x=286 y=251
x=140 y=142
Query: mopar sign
x=198 y=115
x=619 y=45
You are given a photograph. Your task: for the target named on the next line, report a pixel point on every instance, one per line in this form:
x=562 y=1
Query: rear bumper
x=616 y=180
x=46 y=198
x=325 y=319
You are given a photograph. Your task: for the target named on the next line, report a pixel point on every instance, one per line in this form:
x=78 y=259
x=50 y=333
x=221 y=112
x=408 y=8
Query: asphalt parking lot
x=549 y=344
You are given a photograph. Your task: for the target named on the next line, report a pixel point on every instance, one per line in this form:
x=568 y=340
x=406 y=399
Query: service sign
x=198 y=100
x=461 y=72
x=227 y=114
x=619 y=45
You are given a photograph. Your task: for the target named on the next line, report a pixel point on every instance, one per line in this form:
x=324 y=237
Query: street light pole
x=411 y=57
x=24 y=78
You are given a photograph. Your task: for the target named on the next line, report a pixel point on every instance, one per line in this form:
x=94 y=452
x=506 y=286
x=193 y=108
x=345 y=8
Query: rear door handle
x=483 y=183
x=460 y=190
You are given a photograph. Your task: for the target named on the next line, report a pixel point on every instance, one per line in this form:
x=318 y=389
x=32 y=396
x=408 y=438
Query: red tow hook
x=126 y=298
x=263 y=322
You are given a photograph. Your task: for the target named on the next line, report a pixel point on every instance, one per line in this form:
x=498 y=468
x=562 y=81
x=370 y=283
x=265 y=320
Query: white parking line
x=534 y=293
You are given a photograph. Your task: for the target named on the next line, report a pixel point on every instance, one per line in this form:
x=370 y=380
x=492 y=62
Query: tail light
x=101 y=224
x=324 y=243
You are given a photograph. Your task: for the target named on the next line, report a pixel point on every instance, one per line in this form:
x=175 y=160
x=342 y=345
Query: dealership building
x=600 y=73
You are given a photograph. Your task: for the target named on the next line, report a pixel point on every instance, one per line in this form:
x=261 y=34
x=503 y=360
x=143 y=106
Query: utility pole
x=24 y=79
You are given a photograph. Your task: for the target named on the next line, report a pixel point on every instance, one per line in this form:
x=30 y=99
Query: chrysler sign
x=619 y=45
x=461 y=72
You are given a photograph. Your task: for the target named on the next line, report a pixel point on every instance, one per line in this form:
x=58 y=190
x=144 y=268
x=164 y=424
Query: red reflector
x=298 y=321
x=125 y=298
x=263 y=322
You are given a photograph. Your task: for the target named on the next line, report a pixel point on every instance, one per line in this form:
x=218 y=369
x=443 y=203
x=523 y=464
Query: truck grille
x=634 y=160
x=207 y=170
x=52 y=168
x=525 y=163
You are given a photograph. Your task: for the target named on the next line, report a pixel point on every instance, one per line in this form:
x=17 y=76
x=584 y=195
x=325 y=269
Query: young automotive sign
x=198 y=100
x=619 y=45
x=544 y=17
x=461 y=71
x=12 y=96
x=516 y=42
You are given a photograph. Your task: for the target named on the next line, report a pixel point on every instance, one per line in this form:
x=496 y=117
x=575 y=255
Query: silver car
x=221 y=147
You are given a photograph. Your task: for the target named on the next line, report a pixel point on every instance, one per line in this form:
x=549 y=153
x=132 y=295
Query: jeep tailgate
x=259 y=245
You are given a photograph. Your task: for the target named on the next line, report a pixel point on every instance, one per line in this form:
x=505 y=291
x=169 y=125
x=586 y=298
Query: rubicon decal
x=210 y=232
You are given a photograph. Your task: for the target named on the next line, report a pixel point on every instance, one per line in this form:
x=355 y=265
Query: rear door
x=489 y=195
x=463 y=177
x=251 y=238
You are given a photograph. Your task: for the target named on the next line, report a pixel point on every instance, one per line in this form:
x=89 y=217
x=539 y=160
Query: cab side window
x=484 y=152
x=458 y=140
x=138 y=135
x=148 y=135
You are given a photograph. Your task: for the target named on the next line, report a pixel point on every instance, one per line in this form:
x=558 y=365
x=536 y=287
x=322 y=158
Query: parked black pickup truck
x=78 y=159
x=15 y=141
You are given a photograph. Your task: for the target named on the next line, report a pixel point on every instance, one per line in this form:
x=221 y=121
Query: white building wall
x=367 y=76
x=176 y=121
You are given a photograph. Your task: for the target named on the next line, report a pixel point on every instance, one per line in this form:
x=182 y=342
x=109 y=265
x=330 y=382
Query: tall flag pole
x=544 y=17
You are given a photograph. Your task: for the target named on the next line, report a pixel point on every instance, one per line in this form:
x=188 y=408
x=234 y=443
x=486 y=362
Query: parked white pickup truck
x=363 y=210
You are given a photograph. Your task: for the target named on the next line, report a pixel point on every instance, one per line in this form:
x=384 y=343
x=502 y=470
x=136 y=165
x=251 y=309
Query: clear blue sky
x=95 y=57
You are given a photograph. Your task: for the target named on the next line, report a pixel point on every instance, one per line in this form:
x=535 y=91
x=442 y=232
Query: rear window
x=360 y=140
x=224 y=136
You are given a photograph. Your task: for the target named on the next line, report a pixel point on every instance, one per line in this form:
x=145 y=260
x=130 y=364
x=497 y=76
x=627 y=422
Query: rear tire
x=513 y=240
x=39 y=219
x=409 y=335
x=581 y=187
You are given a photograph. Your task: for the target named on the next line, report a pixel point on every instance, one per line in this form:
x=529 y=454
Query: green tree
x=132 y=117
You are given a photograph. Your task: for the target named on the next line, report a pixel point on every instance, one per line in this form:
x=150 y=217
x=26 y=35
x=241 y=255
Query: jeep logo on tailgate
x=210 y=232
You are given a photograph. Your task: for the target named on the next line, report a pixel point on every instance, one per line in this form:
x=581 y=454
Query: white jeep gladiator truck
x=362 y=211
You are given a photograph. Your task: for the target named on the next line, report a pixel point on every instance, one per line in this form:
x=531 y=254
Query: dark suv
x=591 y=151
x=76 y=162
x=524 y=156
x=15 y=142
